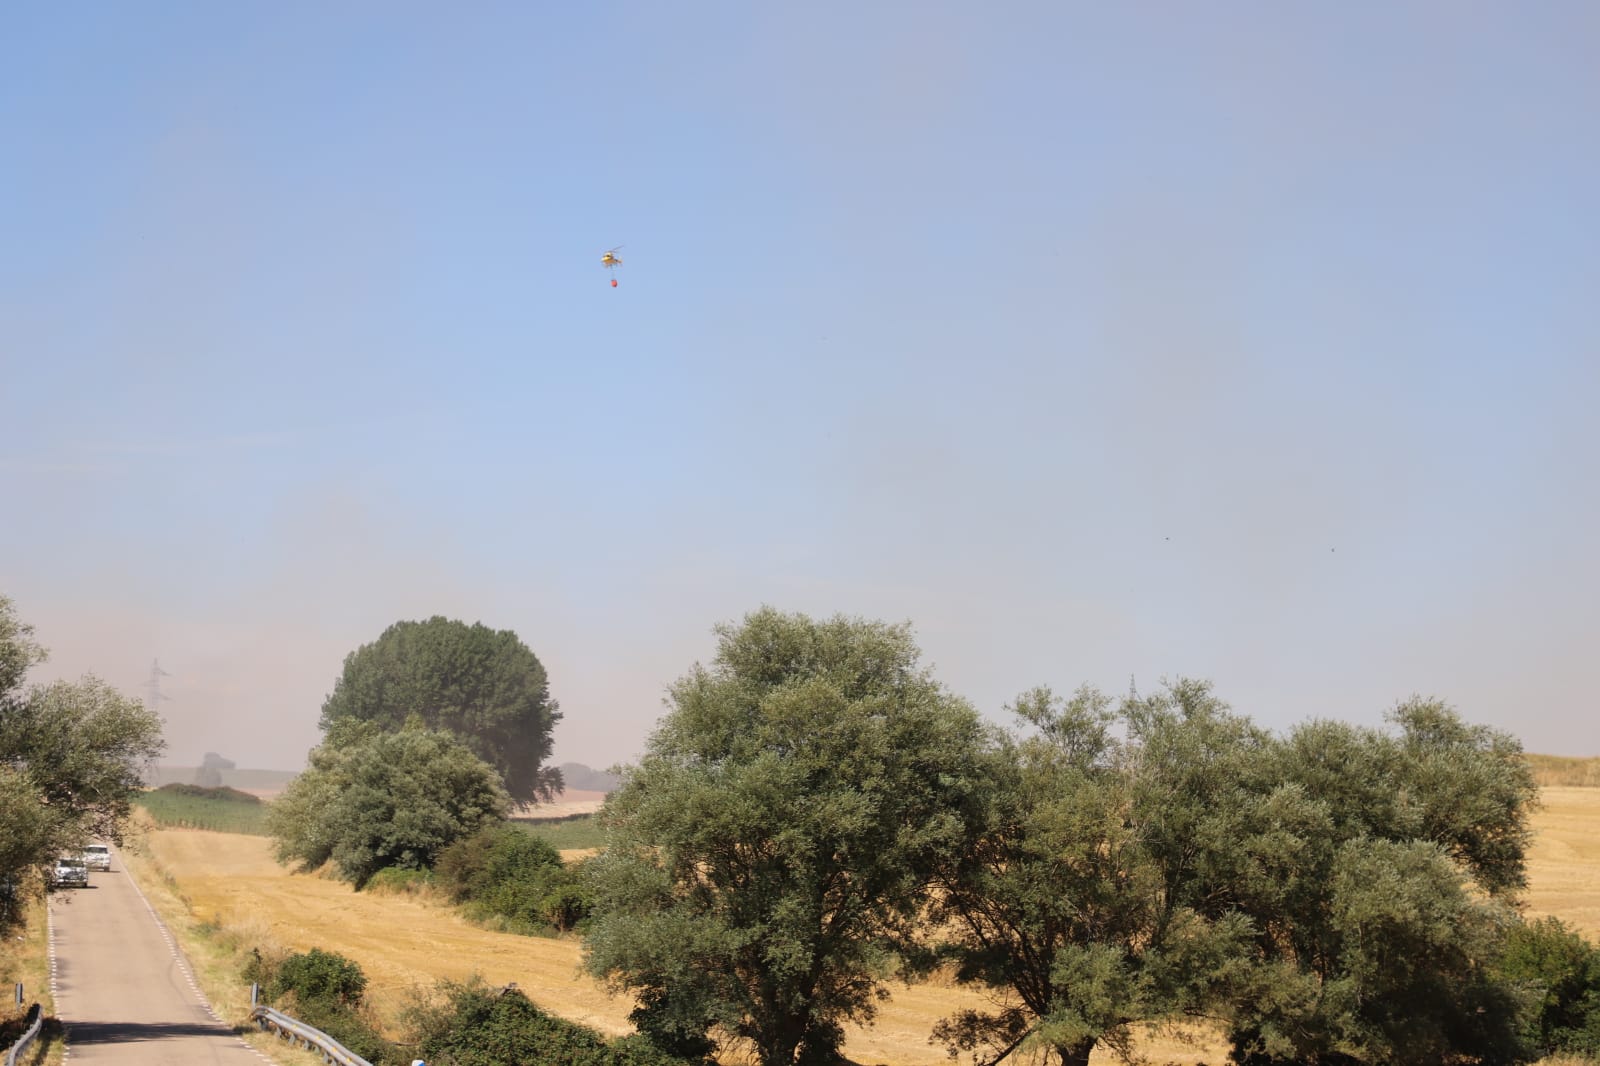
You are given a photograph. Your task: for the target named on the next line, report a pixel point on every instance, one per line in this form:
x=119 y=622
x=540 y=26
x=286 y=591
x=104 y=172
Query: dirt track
x=403 y=943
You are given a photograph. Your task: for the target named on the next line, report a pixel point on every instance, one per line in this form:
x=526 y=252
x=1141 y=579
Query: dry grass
x=232 y=888
x=25 y=958
x=1560 y=771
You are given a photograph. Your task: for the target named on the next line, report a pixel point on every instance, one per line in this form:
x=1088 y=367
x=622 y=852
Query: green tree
x=1381 y=905
x=27 y=830
x=72 y=754
x=1085 y=901
x=19 y=652
x=1335 y=896
x=481 y=684
x=28 y=837
x=774 y=846
x=375 y=800
x=85 y=747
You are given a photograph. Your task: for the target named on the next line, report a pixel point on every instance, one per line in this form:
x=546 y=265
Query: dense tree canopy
x=19 y=652
x=1334 y=896
x=1086 y=899
x=72 y=754
x=483 y=685
x=372 y=800
x=774 y=846
x=1380 y=893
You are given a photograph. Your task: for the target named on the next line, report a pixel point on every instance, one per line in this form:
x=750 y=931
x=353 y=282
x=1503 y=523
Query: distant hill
x=581 y=778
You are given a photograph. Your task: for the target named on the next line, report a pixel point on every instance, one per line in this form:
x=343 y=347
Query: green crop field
x=565 y=834
x=213 y=809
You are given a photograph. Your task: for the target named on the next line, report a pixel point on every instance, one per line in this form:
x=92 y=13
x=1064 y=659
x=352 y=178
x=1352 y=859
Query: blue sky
x=1256 y=343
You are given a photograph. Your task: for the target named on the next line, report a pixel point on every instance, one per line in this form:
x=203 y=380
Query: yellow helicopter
x=610 y=261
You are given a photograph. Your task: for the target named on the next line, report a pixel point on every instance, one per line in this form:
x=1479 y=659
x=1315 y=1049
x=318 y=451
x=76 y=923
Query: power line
x=152 y=688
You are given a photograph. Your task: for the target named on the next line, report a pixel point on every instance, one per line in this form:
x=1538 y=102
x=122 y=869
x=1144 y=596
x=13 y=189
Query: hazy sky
x=1251 y=342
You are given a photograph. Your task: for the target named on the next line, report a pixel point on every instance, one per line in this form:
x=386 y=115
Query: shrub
x=1560 y=970
x=501 y=872
x=566 y=900
x=397 y=882
x=318 y=976
x=350 y=1026
x=325 y=990
x=471 y=1024
x=641 y=1050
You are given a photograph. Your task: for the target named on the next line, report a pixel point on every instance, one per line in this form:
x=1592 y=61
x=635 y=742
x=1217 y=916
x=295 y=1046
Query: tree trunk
x=777 y=1055
x=1075 y=1054
x=778 y=1041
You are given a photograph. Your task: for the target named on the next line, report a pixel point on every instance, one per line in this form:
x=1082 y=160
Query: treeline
x=816 y=812
x=71 y=753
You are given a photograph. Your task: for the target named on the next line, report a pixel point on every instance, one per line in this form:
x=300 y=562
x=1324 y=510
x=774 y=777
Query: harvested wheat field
x=1564 y=862
x=404 y=943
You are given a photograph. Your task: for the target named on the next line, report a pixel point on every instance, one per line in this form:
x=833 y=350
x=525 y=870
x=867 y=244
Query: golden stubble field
x=405 y=943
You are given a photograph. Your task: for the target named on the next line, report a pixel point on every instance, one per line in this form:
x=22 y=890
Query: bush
x=471 y=1024
x=397 y=882
x=501 y=872
x=325 y=990
x=1560 y=971
x=353 y=1028
x=565 y=903
x=318 y=976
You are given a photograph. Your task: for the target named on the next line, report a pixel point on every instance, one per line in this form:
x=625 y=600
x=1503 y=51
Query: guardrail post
x=255 y=993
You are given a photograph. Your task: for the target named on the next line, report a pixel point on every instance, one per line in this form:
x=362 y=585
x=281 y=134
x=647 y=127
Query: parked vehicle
x=70 y=872
x=97 y=857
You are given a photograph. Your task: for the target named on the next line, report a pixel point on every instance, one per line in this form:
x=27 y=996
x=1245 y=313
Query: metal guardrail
x=302 y=1035
x=37 y=1014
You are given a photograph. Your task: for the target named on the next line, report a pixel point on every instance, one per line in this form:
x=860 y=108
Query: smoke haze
x=1254 y=345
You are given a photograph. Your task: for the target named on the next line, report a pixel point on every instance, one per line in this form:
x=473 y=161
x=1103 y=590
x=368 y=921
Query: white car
x=70 y=872
x=97 y=857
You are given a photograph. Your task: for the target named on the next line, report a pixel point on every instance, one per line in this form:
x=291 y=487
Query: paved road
x=123 y=991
